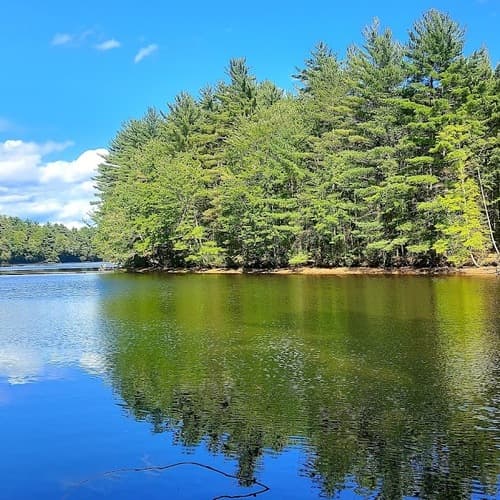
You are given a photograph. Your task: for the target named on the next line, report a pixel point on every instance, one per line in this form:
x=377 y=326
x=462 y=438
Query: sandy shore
x=341 y=271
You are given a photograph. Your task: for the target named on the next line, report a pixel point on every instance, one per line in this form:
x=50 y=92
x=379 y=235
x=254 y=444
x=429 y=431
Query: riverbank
x=337 y=271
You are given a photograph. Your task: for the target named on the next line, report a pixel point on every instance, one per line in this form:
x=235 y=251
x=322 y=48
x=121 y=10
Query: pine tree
x=390 y=157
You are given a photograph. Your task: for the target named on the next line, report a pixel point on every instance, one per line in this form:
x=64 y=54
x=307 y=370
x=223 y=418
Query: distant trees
x=24 y=242
x=390 y=157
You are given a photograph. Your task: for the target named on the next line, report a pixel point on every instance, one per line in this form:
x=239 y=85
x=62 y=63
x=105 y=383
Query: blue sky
x=74 y=71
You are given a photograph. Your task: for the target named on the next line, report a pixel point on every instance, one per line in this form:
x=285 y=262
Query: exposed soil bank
x=339 y=271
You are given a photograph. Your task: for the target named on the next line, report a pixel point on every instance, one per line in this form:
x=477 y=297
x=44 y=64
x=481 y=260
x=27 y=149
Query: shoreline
x=334 y=271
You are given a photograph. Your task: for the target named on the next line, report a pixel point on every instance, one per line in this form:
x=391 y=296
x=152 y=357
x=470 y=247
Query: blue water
x=55 y=267
x=100 y=372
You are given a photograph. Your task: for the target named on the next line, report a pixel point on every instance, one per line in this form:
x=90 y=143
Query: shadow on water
x=388 y=383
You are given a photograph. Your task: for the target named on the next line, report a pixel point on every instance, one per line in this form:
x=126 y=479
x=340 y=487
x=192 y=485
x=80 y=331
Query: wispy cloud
x=71 y=39
x=108 y=45
x=62 y=39
x=145 y=52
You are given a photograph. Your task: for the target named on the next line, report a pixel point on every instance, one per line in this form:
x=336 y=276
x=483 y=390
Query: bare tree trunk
x=474 y=261
x=490 y=227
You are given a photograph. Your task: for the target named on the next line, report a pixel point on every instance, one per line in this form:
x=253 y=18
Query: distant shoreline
x=333 y=271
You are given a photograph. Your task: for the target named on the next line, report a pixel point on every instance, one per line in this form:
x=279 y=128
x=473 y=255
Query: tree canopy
x=387 y=158
x=24 y=241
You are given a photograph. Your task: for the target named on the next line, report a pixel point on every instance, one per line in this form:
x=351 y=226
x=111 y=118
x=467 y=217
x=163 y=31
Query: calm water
x=80 y=267
x=350 y=387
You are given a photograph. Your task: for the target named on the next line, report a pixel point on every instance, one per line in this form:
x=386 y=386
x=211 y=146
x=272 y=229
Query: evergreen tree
x=390 y=157
x=24 y=242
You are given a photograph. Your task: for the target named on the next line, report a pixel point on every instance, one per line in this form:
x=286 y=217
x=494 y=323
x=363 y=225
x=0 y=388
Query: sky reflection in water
x=348 y=386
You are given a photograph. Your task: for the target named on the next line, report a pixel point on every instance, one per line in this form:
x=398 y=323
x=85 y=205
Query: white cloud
x=108 y=45
x=72 y=39
x=62 y=39
x=20 y=161
x=80 y=170
x=145 y=52
x=56 y=191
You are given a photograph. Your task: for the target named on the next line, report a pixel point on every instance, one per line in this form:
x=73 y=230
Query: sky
x=73 y=72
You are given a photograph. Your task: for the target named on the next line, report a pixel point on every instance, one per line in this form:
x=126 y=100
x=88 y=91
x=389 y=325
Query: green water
x=356 y=387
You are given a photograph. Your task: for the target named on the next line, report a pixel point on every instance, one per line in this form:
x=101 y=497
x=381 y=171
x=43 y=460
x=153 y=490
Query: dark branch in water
x=161 y=468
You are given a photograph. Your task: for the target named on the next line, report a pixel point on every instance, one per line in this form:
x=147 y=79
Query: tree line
x=387 y=157
x=24 y=241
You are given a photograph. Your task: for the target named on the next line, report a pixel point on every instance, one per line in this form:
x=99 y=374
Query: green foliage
x=299 y=259
x=390 y=157
x=435 y=42
x=23 y=242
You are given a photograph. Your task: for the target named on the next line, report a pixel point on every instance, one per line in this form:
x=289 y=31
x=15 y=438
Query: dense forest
x=388 y=157
x=23 y=242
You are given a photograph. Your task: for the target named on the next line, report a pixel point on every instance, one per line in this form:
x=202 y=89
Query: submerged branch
x=161 y=468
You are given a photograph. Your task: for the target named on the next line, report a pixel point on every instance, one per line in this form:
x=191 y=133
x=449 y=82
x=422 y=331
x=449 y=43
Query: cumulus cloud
x=108 y=45
x=145 y=52
x=80 y=170
x=20 y=161
x=57 y=191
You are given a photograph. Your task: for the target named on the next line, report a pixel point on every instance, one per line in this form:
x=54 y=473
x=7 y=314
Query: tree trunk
x=490 y=227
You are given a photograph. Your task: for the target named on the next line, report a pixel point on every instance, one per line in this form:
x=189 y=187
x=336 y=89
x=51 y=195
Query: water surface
x=56 y=267
x=345 y=387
